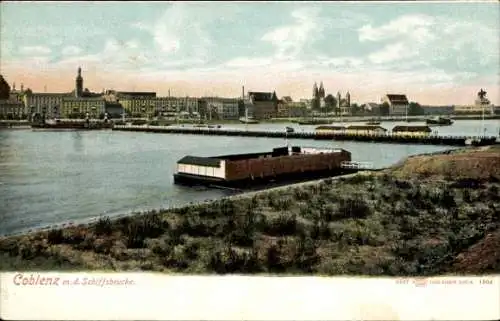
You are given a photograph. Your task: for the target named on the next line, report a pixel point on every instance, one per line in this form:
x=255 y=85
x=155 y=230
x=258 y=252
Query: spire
x=79 y=83
x=22 y=87
x=13 y=86
x=321 y=90
x=315 y=90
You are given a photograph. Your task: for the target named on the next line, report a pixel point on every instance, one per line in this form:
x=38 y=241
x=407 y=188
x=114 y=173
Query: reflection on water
x=49 y=177
x=77 y=141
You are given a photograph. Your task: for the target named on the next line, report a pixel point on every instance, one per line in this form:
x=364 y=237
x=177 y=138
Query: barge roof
x=200 y=161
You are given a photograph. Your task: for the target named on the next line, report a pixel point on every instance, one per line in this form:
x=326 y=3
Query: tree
x=384 y=109
x=414 y=109
x=315 y=104
x=330 y=103
x=355 y=109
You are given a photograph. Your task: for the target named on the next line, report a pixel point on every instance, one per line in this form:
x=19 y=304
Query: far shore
x=314 y=119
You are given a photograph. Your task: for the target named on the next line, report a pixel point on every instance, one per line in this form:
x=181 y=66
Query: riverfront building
x=262 y=105
x=286 y=107
x=10 y=105
x=44 y=103
x=148 y=104
x=220 y=108
x=75 y=107
x=344 y=104
x=398 y=104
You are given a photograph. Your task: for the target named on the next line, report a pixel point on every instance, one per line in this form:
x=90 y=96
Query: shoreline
x=278 y=120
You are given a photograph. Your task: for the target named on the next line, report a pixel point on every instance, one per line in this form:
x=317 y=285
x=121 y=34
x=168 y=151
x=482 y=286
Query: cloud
x=351 y=62
x=35 y=50
x=423 y=40
x=71 y=51
x=414 y=26
x=290 y=40
x=179 y=33
x=391 y=52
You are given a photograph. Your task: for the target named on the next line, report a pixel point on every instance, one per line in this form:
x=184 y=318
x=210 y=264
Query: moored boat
x=439 y=121
x=248 y=120
x=280 y=164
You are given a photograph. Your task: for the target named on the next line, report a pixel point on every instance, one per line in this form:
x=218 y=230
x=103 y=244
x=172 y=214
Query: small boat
x=248 y=120
x=439 y=121
x=290 y=129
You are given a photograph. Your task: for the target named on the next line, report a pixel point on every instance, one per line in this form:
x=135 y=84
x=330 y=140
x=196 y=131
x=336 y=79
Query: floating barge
x=283 y=164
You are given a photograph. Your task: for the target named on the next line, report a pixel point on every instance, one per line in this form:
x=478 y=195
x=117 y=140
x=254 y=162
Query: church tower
x=315 y=91
x=79 y=83
x=338 y=99
x=348 y=99
x=321 y=91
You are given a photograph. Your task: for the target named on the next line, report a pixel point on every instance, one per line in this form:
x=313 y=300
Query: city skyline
x=435 y=53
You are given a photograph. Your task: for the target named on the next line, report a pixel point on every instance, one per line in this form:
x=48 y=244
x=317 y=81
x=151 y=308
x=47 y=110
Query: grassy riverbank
x=414 y=219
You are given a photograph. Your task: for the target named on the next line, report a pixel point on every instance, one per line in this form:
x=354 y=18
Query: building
x=411 y=131
x=17 y=95
x=221 y=108
x=365 y=130
x=288 y=108
x=318 y=100
x=262 y=105
x=147 y=104
x=344 y=104
x=48 y=104
x=138 y=94
x=11 y=104
x=9 y=108
x=398 y=104
x=79 y=107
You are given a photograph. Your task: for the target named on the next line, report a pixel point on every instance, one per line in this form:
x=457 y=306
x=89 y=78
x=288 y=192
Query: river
x=48 y=177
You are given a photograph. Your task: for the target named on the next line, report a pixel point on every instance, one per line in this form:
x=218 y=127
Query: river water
x=48 y=177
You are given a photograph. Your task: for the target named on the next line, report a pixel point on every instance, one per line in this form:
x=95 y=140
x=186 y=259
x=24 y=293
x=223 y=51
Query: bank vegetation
x=429 y=215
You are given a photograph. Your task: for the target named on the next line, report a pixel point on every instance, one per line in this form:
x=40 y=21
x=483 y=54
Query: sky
x=435 y=53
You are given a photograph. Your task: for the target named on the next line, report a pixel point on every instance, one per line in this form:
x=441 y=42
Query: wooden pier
x=375 y=138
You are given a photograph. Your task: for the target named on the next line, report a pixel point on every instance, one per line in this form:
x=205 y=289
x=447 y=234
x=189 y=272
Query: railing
x=356 y=165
